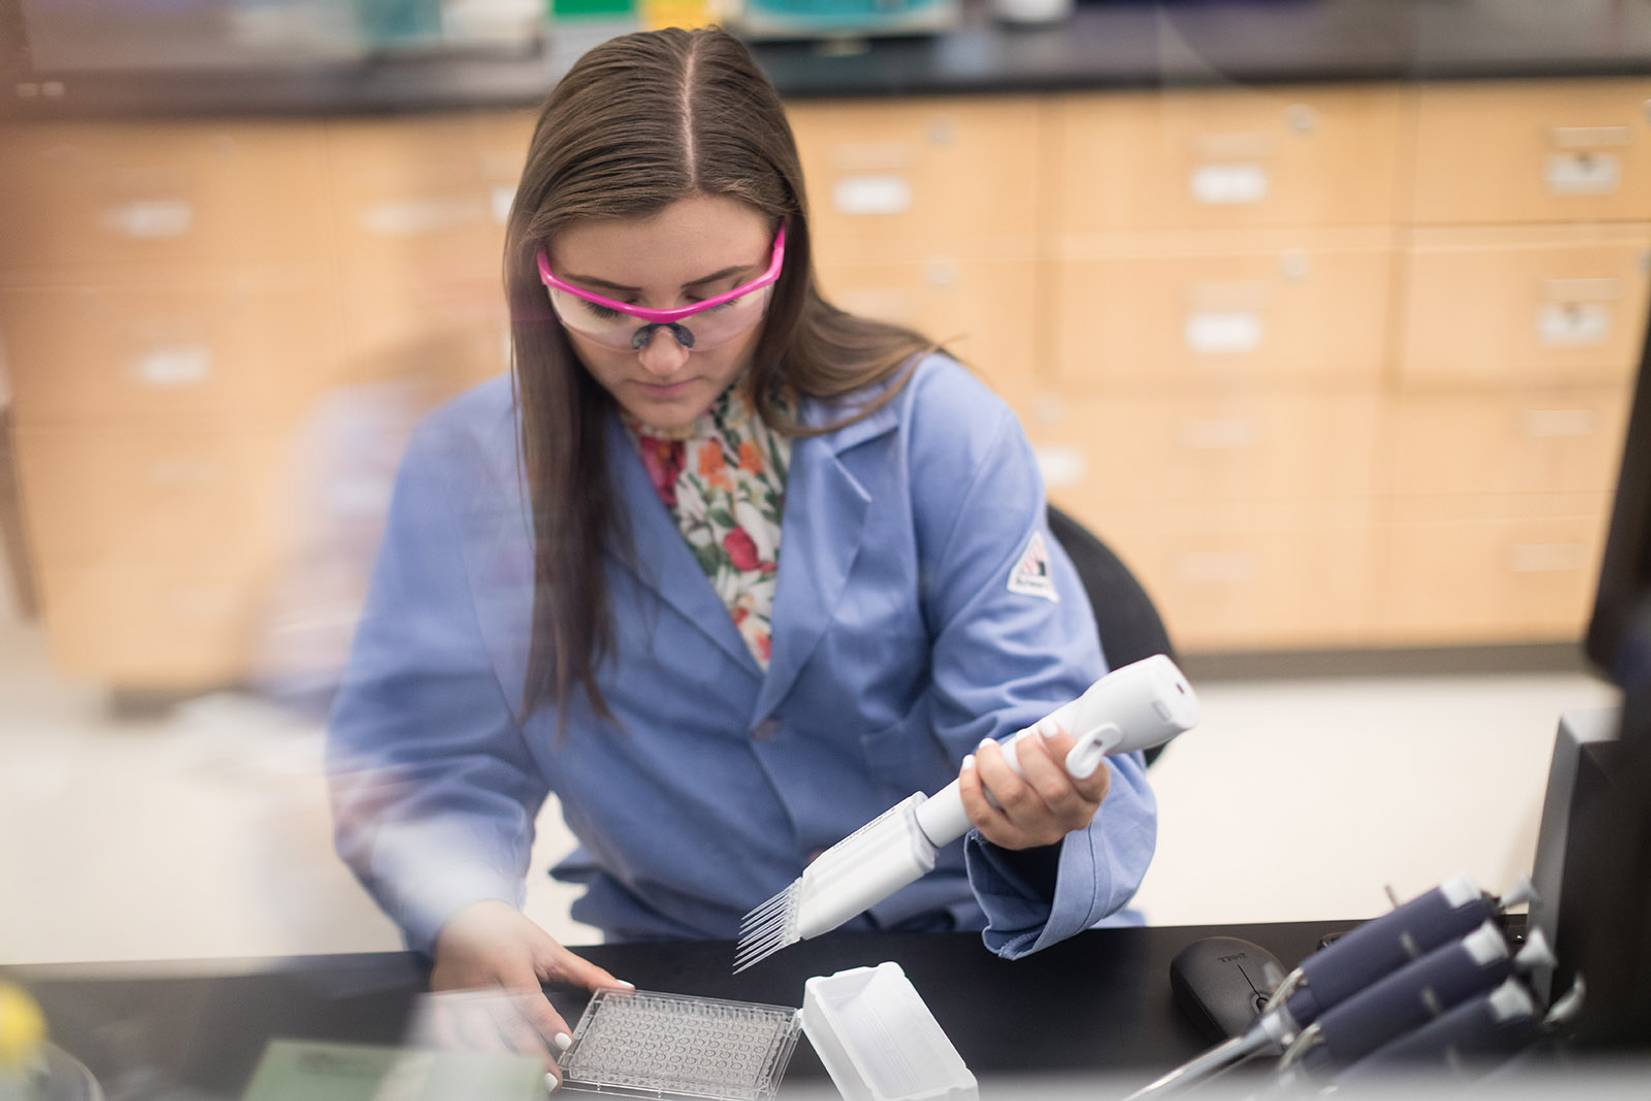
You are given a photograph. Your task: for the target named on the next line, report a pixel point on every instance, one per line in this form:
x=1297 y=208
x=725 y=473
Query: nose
x=663 y=355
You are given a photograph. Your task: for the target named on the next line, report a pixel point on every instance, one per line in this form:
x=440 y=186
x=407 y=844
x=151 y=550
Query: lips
x=665 y=390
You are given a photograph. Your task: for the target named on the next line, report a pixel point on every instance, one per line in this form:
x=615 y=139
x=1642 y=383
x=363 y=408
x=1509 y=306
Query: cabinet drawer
x=1209 y=308
x=146 y=629
x=1254 y=577
x=1232 y=157
x=425 y=199
x=899 y=181
x=978 y=308
x=1532 y=441
x=1547 y=303
x=395 y=327
x=1533 y=151
x=1487 y=579
x=1153 y=450
x=188 y=351
x=114 y=193
x=128 y=497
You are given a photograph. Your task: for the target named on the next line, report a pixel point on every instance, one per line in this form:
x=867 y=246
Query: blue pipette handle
x=1478 y=1032
x=1384 y=944
x=1411 y=997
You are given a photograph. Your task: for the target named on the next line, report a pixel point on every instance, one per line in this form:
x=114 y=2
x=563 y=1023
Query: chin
x=668 y=414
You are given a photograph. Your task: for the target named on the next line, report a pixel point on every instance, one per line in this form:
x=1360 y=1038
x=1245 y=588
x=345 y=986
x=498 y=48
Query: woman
x=729 y=570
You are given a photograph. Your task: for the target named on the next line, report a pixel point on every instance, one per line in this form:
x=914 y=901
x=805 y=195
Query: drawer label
x=1548 y=557
x=148 y=220
x=1223 y=332
x=872 y=195
x=1229 y=184
x=1574 y=324
x=1584 y=173
x=177 y=365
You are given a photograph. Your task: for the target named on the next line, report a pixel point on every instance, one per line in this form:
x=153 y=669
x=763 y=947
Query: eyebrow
x=612 y=286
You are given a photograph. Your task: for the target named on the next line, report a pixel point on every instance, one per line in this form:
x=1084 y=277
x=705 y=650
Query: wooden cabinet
x=1528 y=441
x=188 y=347
x=978 y=308
x=161 y=497
x=1328 y=365
x=1228 y=157
x=915 y=179
x=1253 y=575
x=1515 y=305
x=1489 y=571
x=178 y=302
x=1144 y=452
x=1224 y=309
x=157 y=630
x=105 y=194
x=1532 y=151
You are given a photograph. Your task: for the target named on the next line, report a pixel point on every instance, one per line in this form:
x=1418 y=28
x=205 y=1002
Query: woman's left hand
x=1039 y=808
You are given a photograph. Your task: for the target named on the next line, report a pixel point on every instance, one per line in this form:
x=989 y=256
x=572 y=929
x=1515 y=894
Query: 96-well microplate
x=647 y=1044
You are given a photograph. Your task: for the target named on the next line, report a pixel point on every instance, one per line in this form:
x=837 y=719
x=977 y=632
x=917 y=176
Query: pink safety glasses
x=699 y=326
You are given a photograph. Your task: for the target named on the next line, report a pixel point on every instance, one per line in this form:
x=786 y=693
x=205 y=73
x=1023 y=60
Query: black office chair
x=1130 y=626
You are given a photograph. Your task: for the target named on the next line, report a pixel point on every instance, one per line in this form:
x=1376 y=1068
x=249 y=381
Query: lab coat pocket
x=906 y=756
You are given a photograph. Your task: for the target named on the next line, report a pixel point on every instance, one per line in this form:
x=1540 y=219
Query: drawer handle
x=1223 y=332
x=1583 y=173
x=176 y=365
x=1595 y=289
x=1574 y=324
x=1234 y=145
x=1547 y=557
x=1232 y=184
x=418 y=217
x=1559 y=424
x=1251 y=295
x=1587 y=137
x=1218 y=435
x=1216 y=567
x=941 y=273
x=151 y=220
x=860 y=157
x=1062 y=467
x=872 y=195
x=885 y=305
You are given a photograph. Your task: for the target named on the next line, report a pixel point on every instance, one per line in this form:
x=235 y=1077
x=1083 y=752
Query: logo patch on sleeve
x=1031 y=576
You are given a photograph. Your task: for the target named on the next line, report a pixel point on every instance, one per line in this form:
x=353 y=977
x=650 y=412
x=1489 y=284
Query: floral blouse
x=723 y=480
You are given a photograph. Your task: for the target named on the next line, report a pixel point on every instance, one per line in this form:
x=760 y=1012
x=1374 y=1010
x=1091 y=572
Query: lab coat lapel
x=662 y=561
x=826 y=508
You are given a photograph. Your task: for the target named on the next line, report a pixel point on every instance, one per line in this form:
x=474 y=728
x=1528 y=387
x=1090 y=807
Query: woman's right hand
x=492 y=946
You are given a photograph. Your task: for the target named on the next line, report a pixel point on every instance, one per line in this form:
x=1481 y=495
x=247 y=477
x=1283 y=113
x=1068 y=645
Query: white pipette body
x=1139 y=706
x=1135 y=707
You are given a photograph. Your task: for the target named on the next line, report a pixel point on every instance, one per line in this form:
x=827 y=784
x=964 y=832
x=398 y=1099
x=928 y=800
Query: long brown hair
x=638 y=123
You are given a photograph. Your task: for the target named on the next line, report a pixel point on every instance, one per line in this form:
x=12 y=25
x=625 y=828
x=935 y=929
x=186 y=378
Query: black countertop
x=1106 y=44
x=1098 y=1004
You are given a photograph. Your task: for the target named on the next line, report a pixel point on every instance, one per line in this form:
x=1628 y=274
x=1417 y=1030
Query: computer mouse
x=1221 y=983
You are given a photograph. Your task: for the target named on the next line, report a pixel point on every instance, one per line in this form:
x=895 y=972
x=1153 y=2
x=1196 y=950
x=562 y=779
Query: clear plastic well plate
x=647 y=1044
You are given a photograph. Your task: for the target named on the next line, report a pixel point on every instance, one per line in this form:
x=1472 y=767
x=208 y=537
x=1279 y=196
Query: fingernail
x=968 y=761
x=1048 y=729
x=552 y=1083
x=564 y=1041
x=984 y=742
x=626 y=985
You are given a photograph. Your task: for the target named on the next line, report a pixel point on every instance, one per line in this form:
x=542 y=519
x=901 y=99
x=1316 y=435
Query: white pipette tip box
x=672 y=1046
x=879 y=1041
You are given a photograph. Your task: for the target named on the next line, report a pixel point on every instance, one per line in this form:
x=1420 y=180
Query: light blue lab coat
x=897 y=645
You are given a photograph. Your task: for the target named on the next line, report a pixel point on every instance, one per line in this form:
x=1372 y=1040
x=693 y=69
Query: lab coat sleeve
x=434 y=792
x=1002 y=660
